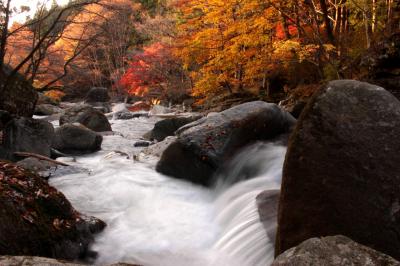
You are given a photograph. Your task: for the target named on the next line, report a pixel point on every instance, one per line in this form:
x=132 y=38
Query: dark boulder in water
x=87 y=116
x=37 y=220
x=76 y=139
x=167 y=127
x=342 y=170
x=203 y=146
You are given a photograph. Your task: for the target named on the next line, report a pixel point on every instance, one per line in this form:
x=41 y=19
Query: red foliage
x=146 y=70
x=280 y=33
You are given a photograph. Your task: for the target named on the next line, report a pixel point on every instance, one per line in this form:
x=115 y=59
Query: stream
x=157 y=220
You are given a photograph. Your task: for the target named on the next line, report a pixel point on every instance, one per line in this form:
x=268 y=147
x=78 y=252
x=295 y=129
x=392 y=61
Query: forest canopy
x=202 y=48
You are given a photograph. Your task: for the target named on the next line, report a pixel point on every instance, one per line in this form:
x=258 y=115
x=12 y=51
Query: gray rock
x=203 y=146
x=97 y=94
x=142 y=144
x=87 y=116
x=342 y=170
x=167 y=127
x=35 y=164
x=333 y=250
x=47 y=109
x=76 y=139
x=126 y=115
x=267 y=205
x=28 y=135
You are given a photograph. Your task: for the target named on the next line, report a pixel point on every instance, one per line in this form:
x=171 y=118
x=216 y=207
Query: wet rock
x=333 y=250
x=267 y=205
x=97 y=94
x=47 y=109
x=35 y=164
x=126 y=115
x=342 y=170
x=28 y=135
x=19 y=98
x=76 y=139
x=157 y=149
x=203 y=146
x=37 y=220
x=142 y=144
x=87 y=116
x=167 y=127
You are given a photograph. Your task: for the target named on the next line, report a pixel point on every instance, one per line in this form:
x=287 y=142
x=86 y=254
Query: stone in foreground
x=37 y=220
x=333 y=250
x=341 y=175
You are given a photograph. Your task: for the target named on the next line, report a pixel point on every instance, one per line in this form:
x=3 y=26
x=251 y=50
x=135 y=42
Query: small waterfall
x=243 y=236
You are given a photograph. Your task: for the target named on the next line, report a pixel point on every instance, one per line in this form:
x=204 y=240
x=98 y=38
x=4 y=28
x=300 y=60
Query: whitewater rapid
x=156 y=220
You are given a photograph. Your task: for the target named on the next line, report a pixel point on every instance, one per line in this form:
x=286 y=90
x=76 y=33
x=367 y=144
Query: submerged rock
x=203 y=146
x=37 y=220
x=28 y=135
x=167 y=127
x=76 y=139
x=342 y=170
x=142 y=144
x=87 y=116
x=333 y=250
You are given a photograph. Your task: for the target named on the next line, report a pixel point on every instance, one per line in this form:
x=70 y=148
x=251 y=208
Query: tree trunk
x=327 y=22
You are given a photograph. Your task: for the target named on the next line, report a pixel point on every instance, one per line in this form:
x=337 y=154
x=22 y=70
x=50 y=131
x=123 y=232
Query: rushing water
x=156 y=220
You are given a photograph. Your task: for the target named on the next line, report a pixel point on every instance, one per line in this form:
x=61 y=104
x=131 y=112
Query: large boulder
x=97 y=94
x=87 y=116
x=76 y=139
x=19 y=97
x=28 y=135
x=204 y=145
x=333 y=250
x=37 y=220
x=167 y=127
x=342 y=170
